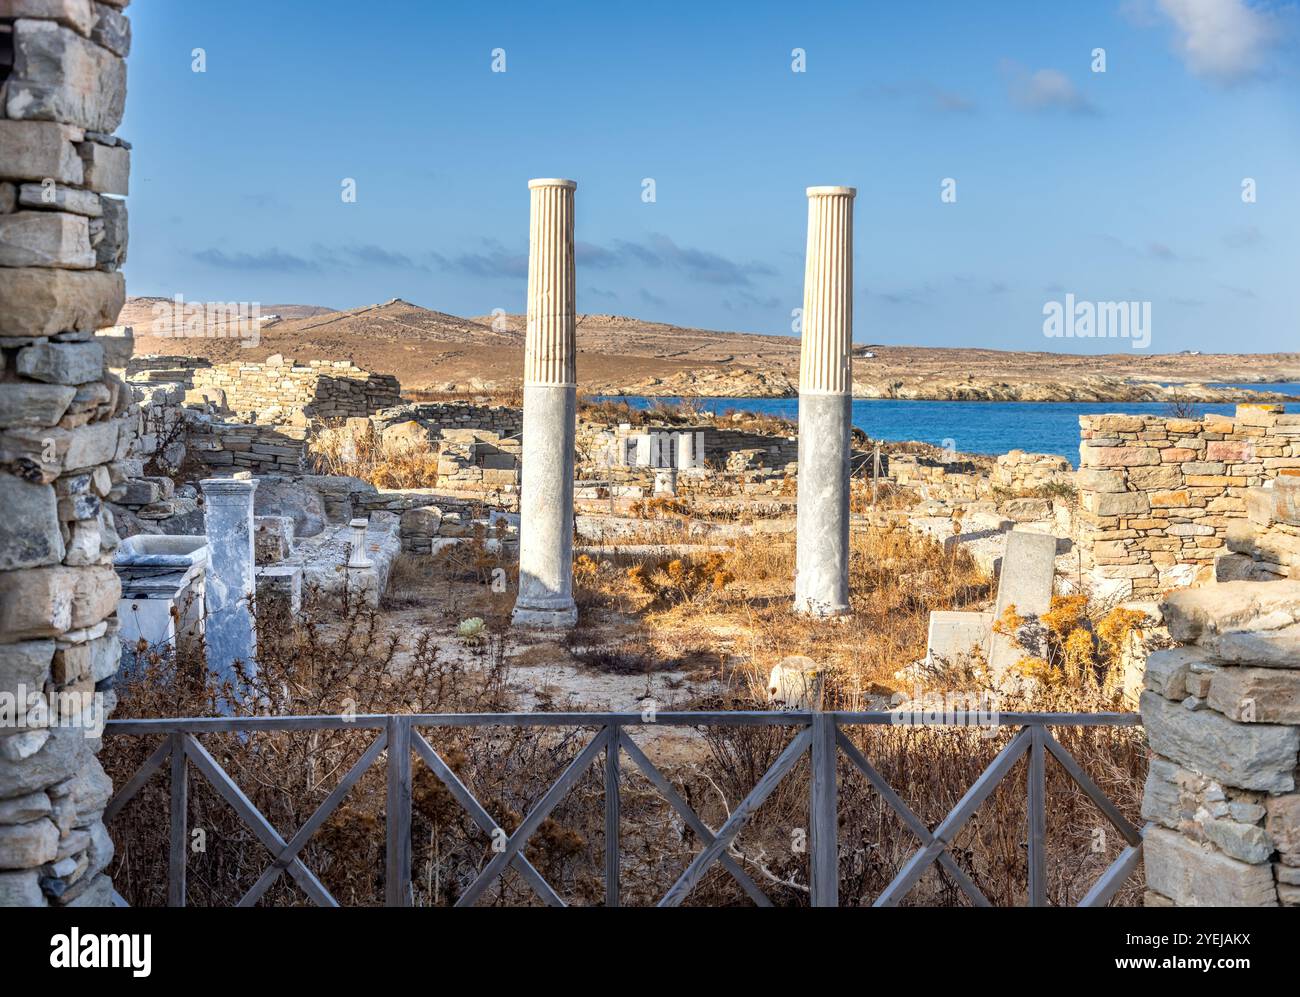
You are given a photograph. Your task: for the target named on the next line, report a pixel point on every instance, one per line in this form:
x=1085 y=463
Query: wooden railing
x=820 y=734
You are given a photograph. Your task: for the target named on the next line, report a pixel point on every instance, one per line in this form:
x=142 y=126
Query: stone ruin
x=1214 y=495
x=1158 y=497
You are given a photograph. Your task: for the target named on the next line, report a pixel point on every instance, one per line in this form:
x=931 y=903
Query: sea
x=968 y=427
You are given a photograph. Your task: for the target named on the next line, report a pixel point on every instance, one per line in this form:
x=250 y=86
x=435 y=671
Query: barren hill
x=430 y=350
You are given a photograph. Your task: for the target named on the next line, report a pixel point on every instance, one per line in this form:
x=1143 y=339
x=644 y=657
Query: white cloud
x=1044 y=89
x=1223 y=40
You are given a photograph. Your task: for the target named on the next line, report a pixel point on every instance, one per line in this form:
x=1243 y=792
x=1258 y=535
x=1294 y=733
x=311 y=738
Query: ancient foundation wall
x=63 y=427
x=437 y=418
x=225 y=447
x=1158 y=496
x=1222 y=715
x=321 y=389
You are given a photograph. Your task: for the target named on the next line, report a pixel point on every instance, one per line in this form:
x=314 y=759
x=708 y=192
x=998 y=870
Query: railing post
x=1037 y=805
x=179 y=829
x=611 y=817
x=824 y=814
x=397 y=871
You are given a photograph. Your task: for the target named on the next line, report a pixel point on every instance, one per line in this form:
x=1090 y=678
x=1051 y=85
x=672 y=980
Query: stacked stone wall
x=262 y=448
x=64 y=425
x=1020 y=472
x=321 y=389
x=1158 y=496
x=778 y=452
x=439 y=417
x=154 y=368
x=1222 y=716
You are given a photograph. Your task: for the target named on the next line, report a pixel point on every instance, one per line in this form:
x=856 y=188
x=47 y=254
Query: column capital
x=832 y=192
x=552 y=182
x=228 y=486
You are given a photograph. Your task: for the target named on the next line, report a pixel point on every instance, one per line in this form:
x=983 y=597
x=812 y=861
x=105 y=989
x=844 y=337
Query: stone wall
x=1158 y=495
x=152 y=368
x=224 y=447
x=780 y=453
x=1222 y=716
x=952 y=479
x=63 y=425
x=1020 y=472
x=436 y=418
x=1266 y=544
x=320 y=389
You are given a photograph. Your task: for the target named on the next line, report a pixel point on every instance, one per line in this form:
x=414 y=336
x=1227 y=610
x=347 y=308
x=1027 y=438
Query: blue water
x=973 y=427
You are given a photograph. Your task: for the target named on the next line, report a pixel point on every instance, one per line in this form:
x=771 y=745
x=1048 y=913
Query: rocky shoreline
x=776 y=384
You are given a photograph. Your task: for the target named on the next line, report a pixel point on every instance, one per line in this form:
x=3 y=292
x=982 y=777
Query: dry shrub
x=660 y=507
x=366 y=456
x=661 y=411
x=1074 y=652
x=347 y=665
x=895 y=581
x=680 y=580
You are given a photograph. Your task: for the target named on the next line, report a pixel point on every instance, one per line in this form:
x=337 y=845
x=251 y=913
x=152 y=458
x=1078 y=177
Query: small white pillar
x=358 y=558
x=230 y=631
x=685 y=451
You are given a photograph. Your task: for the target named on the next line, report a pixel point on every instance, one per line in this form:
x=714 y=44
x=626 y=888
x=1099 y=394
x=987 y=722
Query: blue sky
x=1122 y=185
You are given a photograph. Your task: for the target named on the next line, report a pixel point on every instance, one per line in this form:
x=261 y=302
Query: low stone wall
x=1222 y=715
x=224 y=447
x=954 y=479
x=320 y=389
x=1018 y=471
x=778 y=452
x=152 y=368
x=437 y=418
x=1158 y=495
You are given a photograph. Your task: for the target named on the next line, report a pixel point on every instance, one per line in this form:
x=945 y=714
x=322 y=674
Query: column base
x=813 y=607
x=544 y=617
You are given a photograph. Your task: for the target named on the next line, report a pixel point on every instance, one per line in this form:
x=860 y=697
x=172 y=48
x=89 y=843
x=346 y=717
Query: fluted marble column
x=550 y=407
x=821 y=586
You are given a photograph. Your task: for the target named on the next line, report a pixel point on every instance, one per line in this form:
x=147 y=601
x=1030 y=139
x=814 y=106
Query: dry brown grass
x=368 y=457
x=895 y=582
x=730 y=614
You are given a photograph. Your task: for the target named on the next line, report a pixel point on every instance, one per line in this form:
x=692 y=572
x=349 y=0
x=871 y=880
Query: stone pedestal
x=825 y=399
x=550 y=407
x=231 y=582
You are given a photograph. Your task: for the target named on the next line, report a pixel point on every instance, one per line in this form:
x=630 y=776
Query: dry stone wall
x=1158 y=496
x=225 y=447
x=1222 y=716
x=64 y=426
x=321 y=389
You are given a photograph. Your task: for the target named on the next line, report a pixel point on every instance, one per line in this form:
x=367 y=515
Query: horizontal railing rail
x=820 y=735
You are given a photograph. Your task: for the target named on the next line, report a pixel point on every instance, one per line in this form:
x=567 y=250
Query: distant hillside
x=429 y=350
